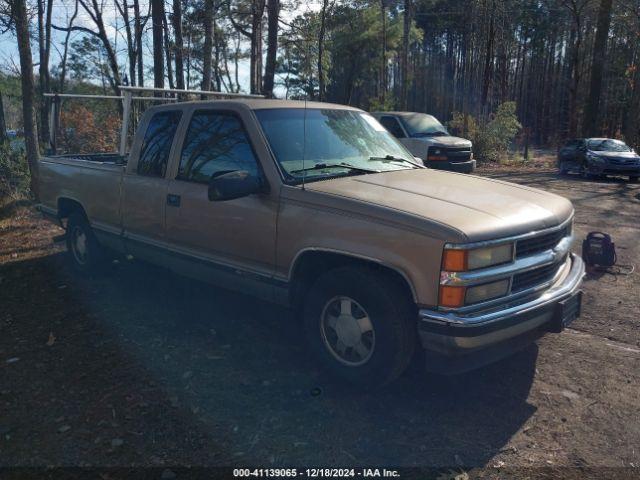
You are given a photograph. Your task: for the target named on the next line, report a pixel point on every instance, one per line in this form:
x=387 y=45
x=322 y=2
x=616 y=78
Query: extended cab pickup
x=318 y=207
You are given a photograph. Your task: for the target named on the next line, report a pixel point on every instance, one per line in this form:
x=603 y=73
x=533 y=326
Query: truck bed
x=92 y=180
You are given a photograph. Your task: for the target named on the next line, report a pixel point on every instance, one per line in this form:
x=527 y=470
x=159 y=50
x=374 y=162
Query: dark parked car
x=599 y=157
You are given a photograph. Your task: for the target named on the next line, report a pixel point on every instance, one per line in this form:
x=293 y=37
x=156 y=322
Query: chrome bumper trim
x=570 y=284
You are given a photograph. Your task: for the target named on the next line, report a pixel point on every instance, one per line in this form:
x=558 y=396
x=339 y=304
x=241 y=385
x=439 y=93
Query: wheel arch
x=67 y=206
x=310 y=263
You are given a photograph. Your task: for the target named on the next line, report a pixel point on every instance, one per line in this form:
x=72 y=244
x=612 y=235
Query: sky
x=63 y=9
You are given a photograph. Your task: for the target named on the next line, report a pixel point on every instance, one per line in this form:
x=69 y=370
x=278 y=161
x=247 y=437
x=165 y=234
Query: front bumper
x=609 y=168
x=461 y=167
x=462 y=343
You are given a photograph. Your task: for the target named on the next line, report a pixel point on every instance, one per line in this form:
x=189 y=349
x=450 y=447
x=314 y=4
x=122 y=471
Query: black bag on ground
x=598 y=249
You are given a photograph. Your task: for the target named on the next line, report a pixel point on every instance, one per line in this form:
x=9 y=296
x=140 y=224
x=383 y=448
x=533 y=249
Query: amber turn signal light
x=451 y=296
x=454 y=260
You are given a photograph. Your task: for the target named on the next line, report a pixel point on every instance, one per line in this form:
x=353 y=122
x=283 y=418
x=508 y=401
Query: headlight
x=455 y=260
x=487 y=291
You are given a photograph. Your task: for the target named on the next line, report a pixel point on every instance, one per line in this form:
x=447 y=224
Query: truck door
x=145 y=186
x=225 y=241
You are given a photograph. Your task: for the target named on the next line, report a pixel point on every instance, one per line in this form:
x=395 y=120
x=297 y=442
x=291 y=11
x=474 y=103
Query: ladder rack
x=167 y=95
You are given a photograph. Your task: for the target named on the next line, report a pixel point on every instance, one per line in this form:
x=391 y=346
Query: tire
x=365 y=354
x=562 y=170
x=85 y=253
x=584 y=172
x=633 y=178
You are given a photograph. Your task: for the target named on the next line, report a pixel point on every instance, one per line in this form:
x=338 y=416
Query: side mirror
x=228 y=185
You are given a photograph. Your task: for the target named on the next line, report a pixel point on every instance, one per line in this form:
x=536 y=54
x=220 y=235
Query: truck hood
x=475 y=208
x=444 y=141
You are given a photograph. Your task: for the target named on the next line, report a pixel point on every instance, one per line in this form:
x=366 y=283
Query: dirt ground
x=141 y=367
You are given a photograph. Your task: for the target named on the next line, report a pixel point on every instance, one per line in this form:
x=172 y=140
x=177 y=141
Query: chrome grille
x=457 y=154
x=539 y=258
x=530 y=246
x=622 y=161
x=522 y=281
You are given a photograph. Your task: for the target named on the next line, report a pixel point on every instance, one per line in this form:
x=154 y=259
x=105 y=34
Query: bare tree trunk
x=574 y=67
x=589 y=127
x=123 y=8
x=257 y=8
x=19 y=14
x=383 y=53
x=3 y=124
x=404 y=60
x=65 y=51
x=157 y=16
x=167 y=51
x=217 y=73
x=138 y=41
x=488 y=63
x=273 y=12
x=236 y=61
x=95 y=12
x=321 y=35
x=188 y=72
x=44 y=44
x=179 y=42
x=208 y=44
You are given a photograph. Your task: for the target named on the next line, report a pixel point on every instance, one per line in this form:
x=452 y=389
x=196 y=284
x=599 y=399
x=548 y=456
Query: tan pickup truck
x=318 y=207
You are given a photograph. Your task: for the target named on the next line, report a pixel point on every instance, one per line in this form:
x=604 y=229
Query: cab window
x=215 y=142
x=156 y=145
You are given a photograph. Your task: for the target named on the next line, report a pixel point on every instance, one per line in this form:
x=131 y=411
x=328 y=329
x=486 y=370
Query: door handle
x=173 y=200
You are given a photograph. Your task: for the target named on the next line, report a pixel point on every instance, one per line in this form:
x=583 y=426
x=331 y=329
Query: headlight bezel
x=470 y=259
x=458 y=259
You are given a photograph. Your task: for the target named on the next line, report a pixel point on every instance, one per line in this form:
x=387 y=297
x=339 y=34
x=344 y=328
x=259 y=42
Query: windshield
x=607 y=145
x=346 y=142
x=421 y=124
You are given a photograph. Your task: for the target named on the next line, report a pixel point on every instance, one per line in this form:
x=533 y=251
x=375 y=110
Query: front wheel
x=361 y=325
x=562 y=168
x=85 y=252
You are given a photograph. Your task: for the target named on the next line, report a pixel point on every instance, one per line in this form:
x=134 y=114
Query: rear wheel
x=361 y=325
x=85 y=252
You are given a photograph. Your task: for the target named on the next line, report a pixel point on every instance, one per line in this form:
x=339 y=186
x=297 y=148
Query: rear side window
x=392 y=124
x=215 y=142
x=156 y=146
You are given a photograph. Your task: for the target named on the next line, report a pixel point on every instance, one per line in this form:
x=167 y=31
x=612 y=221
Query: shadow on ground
x=141 y=367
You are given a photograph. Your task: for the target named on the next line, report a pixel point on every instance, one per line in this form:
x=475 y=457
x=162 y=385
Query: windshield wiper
x=391 y=158
x=324 y=166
